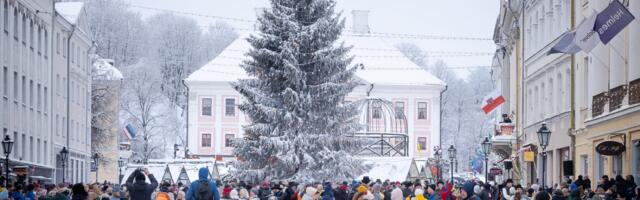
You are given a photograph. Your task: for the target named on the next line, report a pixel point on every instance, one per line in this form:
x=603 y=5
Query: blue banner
x=565 y=44
x=612 y=20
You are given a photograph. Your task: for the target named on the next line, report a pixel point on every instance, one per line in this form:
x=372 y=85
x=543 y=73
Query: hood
x=203 y=173
x=468 y=187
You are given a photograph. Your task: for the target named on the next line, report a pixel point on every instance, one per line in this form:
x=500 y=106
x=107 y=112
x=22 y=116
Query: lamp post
x=7 y=146
x=438 y=155
x=486 y=147
x=543 y=138
x=120 y=166
x=452 y=157
x=96 y=158
x=63 y=158
x=175 y=150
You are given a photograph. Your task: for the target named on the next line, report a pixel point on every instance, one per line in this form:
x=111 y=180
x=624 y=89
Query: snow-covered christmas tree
x=300 y=125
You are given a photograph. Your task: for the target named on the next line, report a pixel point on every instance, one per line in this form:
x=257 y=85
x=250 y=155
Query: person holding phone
x=140 y=189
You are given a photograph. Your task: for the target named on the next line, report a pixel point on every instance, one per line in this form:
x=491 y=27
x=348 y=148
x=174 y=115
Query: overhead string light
x=351 y=32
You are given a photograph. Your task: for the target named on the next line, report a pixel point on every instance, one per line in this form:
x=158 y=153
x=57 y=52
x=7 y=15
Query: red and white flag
x=492 y=101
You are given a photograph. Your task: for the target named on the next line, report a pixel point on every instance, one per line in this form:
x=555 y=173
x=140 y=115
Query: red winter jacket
x=445 y=193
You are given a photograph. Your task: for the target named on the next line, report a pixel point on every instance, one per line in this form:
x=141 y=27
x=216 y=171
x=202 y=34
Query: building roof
x=378 y=63
x=70 y=10
x=103 y=70
x=391 y=168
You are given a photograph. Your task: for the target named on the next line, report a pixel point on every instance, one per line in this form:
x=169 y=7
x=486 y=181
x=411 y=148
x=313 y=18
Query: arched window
x=552 y=102
x=560 y=94
x=31 y=34
x=5 y=16
x=15 y=23
x=24 y=29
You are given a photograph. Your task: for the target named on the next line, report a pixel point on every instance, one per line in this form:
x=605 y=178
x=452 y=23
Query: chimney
x=360 y=21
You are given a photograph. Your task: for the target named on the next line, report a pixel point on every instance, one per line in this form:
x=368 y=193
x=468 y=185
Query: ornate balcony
x=597 y=106
x=634 y=92
x=616 y=96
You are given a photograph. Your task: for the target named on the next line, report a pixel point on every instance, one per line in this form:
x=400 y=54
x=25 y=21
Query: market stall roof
x=391 y=168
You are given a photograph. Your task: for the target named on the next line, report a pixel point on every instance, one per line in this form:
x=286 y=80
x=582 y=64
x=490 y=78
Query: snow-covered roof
x=69 y=10
x=103 y=70
x=383 y=64
x=392 y=168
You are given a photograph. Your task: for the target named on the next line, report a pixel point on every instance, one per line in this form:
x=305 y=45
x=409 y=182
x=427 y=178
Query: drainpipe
x=572 y=112
x=440 y=132
x=186 y=143
x=73 y=30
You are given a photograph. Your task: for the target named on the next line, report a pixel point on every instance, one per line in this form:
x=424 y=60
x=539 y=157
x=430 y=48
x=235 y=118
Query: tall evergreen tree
x=300 y=125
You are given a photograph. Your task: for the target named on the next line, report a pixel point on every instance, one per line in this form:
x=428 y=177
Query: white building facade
x=214 y=119
x=45 y=82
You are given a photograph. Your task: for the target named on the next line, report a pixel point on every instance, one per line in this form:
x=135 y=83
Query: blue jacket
x=203 y=175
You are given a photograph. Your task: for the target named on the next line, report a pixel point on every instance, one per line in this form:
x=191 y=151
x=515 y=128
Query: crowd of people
x=142 y=185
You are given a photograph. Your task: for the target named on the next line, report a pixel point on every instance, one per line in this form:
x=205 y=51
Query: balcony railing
x=634 y=92
x=599 y=100
x=616 y=96
x=384 y=144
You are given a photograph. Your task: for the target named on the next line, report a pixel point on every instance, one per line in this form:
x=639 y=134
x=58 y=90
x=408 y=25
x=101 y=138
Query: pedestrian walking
x=203 y=188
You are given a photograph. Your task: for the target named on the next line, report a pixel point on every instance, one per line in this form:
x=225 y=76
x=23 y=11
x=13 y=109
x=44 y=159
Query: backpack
x=162 y=196
x=203 y=191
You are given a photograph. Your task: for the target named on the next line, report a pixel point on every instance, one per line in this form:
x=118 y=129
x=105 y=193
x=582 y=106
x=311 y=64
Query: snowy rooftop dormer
x=69 y=10
x=103 y=69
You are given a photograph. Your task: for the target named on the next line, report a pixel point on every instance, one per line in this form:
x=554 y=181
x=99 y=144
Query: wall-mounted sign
x=495 y=171
x=610 y=148
x=529 y=156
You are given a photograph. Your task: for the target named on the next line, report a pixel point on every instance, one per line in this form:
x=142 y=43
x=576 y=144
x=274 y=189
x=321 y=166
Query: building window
x=24 y=90
x=206 y=140
x=15 y=24
x=422 y=110
x=6 y=16
x=399 y=105
x=206 y=106
x=5 y=81
x=422 y=143
x=377 y=111
x=584 y=159
x=228 y=140
x=600 y=160
x=58 y=43
x=230 y=107
x=617 y=165
x=45 y=50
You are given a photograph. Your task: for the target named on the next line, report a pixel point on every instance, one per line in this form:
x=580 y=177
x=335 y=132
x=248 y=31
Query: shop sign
x=529 y=156
x=610 y=148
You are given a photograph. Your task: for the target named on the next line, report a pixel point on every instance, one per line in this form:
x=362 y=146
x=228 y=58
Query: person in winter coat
x=243 y=194
x=586 y=184
x=341 y=192
x=78 y=192
x=418 y=194
x=140 y=190
x=557 y=195
x=431 y=193
x=630 y=187
x=291 y=193
x=467 y=192
x=376 y=191
x=276 y=191
x=203 y=179
x=442 y=190
x=264 y=192
x=328 y=191
x=309 y=193
x=396 y=193
x=406 y=189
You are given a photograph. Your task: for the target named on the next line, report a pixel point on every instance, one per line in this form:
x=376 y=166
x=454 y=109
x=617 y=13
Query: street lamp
x=438 y=155
x=7 y=146
x=543 y=138
x=486 y=147
x=452 y=157
x=96 y=158
x=120 y=166
x=63 y=158
x=175 y=150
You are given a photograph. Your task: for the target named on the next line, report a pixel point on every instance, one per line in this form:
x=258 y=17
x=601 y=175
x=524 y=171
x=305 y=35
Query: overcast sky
x=458 y=18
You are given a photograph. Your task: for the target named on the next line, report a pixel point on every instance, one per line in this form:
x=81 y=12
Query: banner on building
x=492 y=101
x=586 y=38
x=566 y=44
x=612 y=20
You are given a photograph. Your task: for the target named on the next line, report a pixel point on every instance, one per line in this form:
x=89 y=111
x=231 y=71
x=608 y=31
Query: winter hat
x=407 y=184
x=419 y=192
x=264 y=185
x=377 y=187
x=468 y=188
x=512 y=190
x=361 y=189
x=432 y=186
x=366 y=180
x=140 y=177
x=477 y=189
